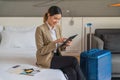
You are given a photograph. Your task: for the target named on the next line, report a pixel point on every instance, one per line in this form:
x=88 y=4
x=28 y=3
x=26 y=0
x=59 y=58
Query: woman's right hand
x=60 y=40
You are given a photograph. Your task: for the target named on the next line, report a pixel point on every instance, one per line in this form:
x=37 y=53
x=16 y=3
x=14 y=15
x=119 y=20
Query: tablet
x=69 y=39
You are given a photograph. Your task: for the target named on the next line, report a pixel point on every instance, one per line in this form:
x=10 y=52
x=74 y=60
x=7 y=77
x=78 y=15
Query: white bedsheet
x=26 y=57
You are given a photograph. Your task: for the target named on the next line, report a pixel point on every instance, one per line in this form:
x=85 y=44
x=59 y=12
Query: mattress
x=24 y=57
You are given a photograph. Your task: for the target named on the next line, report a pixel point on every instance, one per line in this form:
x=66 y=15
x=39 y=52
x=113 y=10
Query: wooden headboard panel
x=0 y=37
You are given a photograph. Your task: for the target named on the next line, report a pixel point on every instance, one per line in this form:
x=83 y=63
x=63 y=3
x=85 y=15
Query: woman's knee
x=74 y=59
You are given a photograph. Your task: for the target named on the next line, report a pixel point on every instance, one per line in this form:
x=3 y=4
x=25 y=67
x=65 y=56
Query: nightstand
x=72 y=53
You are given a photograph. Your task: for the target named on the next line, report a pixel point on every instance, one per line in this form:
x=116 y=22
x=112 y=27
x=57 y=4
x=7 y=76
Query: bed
x=17 y=47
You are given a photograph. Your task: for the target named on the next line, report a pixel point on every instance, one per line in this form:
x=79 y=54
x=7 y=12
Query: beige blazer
x=45 y=44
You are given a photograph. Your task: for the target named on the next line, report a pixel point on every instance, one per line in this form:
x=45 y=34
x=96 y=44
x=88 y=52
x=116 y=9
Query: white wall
x=21 y=21
x=68 y=29
x=102 y=22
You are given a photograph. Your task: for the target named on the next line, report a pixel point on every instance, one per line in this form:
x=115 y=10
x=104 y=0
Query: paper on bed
x=23 y=70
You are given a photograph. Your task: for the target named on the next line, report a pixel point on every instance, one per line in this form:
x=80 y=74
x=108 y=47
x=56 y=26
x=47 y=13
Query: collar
x=50 y=27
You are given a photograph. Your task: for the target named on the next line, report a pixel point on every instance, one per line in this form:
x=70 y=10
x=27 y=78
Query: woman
x=48 y=36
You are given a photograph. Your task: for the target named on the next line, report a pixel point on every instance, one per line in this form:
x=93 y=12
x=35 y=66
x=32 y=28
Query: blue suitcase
x=96 y=64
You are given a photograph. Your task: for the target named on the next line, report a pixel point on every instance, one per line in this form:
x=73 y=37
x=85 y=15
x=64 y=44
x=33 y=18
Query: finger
x=64 y=39
x=61 y=40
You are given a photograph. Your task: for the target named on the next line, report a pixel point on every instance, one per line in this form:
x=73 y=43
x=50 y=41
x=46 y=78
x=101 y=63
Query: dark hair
x=53 y=10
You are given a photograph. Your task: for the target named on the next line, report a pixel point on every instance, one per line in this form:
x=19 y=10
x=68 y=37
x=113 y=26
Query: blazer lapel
x=48 y=32
x=57 y=32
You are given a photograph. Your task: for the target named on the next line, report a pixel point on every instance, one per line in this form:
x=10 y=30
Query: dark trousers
x=69 y=65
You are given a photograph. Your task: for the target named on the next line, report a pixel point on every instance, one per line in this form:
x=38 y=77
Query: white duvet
x=25 y=57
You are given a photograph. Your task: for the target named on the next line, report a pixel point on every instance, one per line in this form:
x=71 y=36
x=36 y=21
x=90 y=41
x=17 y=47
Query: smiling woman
x=48 y=38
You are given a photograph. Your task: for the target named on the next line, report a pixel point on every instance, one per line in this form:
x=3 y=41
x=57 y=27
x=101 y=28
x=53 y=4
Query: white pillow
x=19 y=37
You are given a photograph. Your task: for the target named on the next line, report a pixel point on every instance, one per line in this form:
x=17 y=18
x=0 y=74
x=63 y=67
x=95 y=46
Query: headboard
x=1 y=29
x=0 y=37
